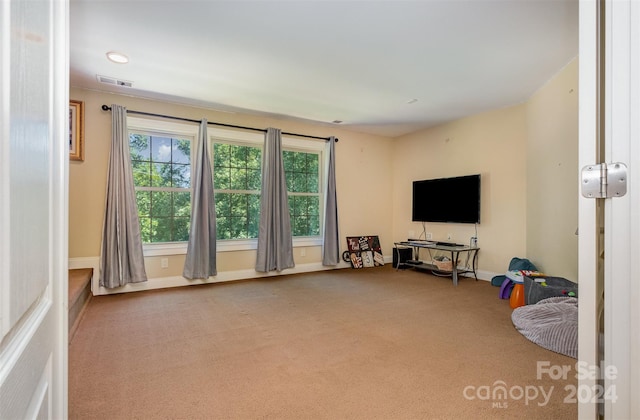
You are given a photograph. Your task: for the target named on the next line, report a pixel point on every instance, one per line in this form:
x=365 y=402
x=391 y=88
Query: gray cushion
x=551 y=323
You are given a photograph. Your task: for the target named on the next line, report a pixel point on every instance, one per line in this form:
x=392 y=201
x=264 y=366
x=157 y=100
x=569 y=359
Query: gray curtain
x=122 y=260
x=275 y=243
x=331 y=249
x=200 y=262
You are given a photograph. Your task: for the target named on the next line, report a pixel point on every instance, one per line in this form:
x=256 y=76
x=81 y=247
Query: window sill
x=180 y=248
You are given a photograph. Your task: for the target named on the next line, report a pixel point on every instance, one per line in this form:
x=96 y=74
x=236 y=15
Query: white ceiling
x=360 y=62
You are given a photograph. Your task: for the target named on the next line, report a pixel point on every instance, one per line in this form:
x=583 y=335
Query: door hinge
x=604 y=180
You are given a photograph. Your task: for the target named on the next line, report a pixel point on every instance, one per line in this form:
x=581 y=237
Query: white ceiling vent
x=113 y=81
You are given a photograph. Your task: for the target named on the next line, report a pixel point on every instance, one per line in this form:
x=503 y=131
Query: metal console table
x=470 y=266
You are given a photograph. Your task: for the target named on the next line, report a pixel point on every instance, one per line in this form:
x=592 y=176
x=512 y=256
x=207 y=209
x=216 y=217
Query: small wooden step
x=79 y=295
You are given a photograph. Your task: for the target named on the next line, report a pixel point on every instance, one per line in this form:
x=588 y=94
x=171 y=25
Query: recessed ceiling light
x=412 y=101
x=117 y=57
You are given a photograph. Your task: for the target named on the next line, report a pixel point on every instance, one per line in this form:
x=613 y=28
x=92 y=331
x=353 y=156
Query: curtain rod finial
x=105 y=108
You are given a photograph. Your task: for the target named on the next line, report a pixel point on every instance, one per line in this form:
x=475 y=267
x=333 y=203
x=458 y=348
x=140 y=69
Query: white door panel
x=33 y=208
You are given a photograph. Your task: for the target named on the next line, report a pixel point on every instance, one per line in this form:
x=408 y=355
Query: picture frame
x=76 y=130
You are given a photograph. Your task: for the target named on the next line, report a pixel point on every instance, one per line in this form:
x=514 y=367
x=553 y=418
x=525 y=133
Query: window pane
x=313 y=183
x=181 y=151
x=253 y=214
x=288 y=159
x=312 y=163
x=220 y=154
x=293 y=204
x=223 y=228
x=222 y=178
x=161 y=204
x=237 y=169
x=223 y=204
x=290 y=179
x=238 y=205
x=143 y=200
x=180 y=229
x=299 y=182
x=162 y=162
x=145 y=229
x=300 y=162
x=302 y=173
x=238 y=157
x=253 y=228
x=313 y=205
x=254 y=158
x=238 y=179
x=300 y=226
x=139 y=147
x=239 y=227
x=181 y=176
x=314 y=225
x=160 y=149
x=162 y=230
x=182 y=204
x=254 y=180
x=161 y=175
x=141 y=173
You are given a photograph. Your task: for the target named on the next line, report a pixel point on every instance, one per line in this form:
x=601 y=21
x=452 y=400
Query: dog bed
x=551 y=323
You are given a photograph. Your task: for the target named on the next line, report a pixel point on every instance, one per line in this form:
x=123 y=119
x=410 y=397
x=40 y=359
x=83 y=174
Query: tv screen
x=448 y=200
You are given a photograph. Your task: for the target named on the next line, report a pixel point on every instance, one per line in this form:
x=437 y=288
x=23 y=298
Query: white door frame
x=616 y=107
x=621 y=241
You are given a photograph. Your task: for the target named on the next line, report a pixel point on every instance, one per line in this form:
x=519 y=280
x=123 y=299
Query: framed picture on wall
x=76 y=130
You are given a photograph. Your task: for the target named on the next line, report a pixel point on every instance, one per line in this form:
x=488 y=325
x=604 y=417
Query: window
x=161 y=156
x=237 y=181
x=302 y=171
x=162 y=178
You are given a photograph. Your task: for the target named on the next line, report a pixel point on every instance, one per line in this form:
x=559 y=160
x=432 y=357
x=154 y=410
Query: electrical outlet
x=164 y=263
x=474 y=241
x=448 y=236
x=412 y=234
x=428 y=236
x=303 y=252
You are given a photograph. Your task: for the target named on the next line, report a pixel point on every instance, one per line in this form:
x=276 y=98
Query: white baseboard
x=178 y=281
x=485 y=275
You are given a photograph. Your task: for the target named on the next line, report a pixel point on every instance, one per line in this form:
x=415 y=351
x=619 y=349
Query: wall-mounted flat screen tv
x=447 y=200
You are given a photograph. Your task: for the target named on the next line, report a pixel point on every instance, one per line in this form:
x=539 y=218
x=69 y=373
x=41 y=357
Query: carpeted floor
x=344 y=344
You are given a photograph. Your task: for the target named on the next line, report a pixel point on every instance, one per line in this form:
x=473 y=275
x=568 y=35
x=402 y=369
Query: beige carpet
x=345 y=344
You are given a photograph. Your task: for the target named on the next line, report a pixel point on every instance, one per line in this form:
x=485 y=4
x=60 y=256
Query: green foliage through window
x=302 y=171
x=237 y=182
x=162 y=178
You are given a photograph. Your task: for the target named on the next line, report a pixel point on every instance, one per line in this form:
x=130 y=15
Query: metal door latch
x=604 y=180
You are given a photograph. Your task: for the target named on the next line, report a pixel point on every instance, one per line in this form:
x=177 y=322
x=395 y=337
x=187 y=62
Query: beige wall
x=363 y=171
x=528 y=157
x=552 y=175
x=491 y=144
x=526 y=154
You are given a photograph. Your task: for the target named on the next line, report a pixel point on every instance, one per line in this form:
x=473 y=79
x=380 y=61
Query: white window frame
x=190 y=131
x=288 y=143
x=171 y=129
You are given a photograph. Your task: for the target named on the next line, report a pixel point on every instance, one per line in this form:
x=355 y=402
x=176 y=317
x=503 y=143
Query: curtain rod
x=108 y=108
